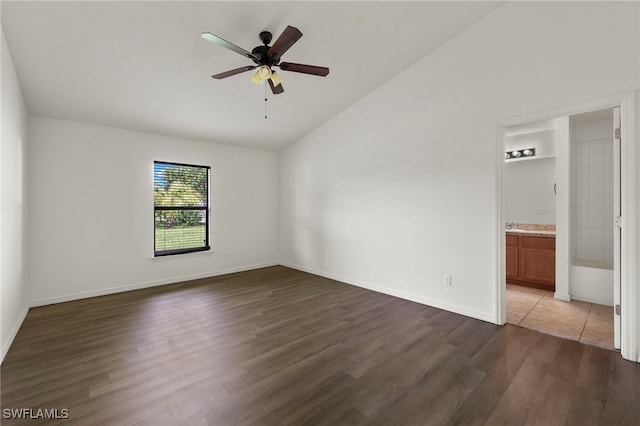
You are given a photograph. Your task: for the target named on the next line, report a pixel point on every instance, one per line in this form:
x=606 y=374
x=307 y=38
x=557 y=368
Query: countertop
x=531 y=232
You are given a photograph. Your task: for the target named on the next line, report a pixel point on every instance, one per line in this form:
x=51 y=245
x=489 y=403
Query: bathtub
x=592 y=282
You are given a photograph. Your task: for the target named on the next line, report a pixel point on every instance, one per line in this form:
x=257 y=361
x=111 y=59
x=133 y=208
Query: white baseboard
x=147 y=284
x=401 y=294
x=14 y=331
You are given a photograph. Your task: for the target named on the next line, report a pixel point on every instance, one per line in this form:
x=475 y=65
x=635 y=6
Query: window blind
x=181 y=208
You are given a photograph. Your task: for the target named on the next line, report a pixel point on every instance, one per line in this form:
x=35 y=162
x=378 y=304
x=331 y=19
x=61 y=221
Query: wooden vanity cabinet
x=512 y=256
x=531 y=260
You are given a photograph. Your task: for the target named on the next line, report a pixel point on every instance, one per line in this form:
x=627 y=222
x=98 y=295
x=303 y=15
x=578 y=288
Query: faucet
x=511 y=224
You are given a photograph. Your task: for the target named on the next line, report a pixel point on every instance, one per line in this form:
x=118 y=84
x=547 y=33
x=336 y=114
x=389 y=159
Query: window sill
x=182 y=256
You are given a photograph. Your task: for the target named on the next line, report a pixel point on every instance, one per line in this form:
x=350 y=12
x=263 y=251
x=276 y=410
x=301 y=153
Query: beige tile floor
x=581 y=321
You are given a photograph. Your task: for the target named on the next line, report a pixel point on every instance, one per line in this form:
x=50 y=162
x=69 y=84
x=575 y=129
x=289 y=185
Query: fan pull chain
x=265 y=100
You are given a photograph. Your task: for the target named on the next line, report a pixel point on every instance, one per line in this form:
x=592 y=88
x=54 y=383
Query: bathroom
x=582 y=308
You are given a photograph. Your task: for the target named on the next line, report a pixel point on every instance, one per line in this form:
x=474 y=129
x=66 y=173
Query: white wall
x=13 y=279
x=529 y=183
x=400 y=188
x=529 y=196
x=91 y=215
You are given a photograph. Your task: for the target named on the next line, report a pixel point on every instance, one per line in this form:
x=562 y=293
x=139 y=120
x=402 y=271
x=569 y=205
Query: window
x=181 y=208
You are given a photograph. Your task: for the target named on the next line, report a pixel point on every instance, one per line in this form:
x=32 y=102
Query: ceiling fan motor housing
x=262 y=55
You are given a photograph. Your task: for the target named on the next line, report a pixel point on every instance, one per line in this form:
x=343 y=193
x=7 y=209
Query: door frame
x=617 y=212
x=628 y=256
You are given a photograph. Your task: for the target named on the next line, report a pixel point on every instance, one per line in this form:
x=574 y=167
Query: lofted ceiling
x=144 y=66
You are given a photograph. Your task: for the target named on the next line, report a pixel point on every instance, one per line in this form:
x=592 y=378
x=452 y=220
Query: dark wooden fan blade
x=224 y=43
x=288 y=37
x=276 y=89
x=233 y=72
x=305 y=69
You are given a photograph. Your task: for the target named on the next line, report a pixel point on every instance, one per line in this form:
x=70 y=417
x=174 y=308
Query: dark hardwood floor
x=277 y=346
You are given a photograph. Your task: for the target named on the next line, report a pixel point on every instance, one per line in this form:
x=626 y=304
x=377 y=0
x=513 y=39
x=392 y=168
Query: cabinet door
x=512 y=256
x=538 y=259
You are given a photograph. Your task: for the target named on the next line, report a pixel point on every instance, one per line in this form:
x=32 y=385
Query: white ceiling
x=143 y=65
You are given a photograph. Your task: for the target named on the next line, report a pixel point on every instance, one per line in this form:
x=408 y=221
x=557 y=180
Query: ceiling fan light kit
x=266 y=58
x=275 y=78
x=265 y=73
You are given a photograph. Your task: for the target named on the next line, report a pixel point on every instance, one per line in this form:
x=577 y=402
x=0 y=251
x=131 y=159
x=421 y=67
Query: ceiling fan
x=266 y=57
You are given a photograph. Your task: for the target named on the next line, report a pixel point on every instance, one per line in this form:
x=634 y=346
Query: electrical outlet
x=447 y=280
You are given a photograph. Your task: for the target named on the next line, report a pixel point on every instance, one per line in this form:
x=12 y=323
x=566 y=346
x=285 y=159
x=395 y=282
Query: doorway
x=529 y=182
x=568 y=250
